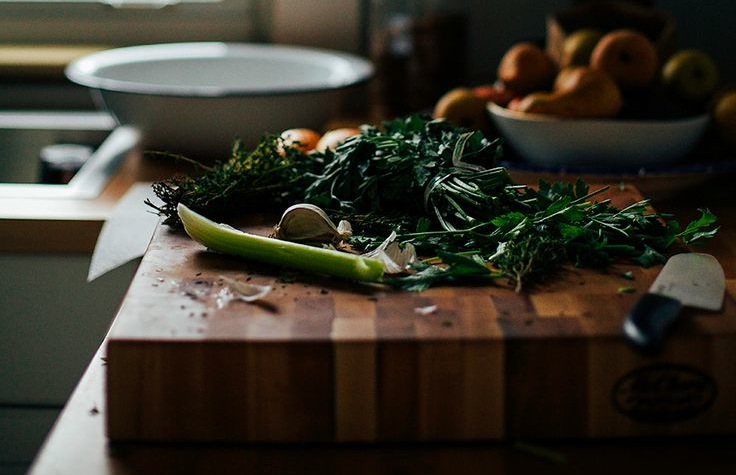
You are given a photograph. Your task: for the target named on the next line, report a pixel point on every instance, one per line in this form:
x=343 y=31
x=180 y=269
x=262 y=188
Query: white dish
x=548 y=140
x=196 y=98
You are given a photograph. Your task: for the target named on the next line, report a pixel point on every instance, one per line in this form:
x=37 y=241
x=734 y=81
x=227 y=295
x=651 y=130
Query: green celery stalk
x=228 y=240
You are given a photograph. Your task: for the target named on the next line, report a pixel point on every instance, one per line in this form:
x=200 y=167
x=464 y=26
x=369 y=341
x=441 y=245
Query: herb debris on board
x=437 y=187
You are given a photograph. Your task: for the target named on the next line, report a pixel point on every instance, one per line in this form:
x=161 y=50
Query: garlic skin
x=235 y=289
x=396 y=259
x=305 y=222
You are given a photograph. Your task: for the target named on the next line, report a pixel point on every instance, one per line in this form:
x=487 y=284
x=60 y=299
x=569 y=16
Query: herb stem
x=453 y=232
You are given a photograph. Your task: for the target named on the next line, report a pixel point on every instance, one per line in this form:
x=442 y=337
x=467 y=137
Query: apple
x=525 y=67
x=578 y=46
x=628 y=56
x=724 y=117
x=497 y=93
x=690 y=75
x=515 y=103
x=463 y=108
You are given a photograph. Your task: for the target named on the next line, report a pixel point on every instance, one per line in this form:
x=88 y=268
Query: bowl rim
x=519 y=116
x=352 y=69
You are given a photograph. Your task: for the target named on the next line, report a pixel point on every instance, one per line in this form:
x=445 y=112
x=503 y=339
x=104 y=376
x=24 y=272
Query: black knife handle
x=649 y=319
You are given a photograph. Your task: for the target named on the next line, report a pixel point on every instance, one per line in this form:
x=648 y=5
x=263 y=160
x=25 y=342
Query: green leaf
x=699 y=229
x=461 y=265
x=649 y=257
x=570 y=232
x=508 y=221
x=420 y=281
x=581 y=188
x=459 y=269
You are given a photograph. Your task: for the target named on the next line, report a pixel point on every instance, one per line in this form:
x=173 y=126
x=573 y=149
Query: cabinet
x=51 y=323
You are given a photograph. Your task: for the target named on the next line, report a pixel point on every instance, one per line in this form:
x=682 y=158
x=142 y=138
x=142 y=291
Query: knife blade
x=686 y=280
x=126 y=233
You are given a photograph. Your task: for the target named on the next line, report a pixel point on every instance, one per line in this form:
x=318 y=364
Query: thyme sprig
x=269 y=176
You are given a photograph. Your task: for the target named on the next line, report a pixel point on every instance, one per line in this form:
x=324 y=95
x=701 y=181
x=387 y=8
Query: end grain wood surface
x=323 y=360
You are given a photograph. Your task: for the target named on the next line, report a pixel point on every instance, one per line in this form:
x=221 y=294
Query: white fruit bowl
x=196 y=98
x=552 y=141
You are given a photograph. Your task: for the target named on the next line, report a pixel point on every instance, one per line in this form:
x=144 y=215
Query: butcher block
x=323 y=360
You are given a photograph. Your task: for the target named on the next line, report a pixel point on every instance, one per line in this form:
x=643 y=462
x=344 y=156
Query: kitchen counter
x=52 y=318
x=78 y=443
x=26 y=224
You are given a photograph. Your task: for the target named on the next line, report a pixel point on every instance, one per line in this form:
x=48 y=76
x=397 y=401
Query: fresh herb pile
x=437 y=187
x=270 y=175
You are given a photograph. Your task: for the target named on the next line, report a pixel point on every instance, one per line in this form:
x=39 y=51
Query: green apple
x=690 y=75
x=577 y=47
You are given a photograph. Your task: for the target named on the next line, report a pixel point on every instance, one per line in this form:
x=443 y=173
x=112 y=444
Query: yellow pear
x=578 y=46
x=579 y=91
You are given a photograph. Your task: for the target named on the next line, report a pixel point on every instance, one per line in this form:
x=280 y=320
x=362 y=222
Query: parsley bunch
x=436 y=186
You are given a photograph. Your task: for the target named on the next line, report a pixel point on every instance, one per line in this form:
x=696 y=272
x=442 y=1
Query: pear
x=578 y=46
x=579 y=92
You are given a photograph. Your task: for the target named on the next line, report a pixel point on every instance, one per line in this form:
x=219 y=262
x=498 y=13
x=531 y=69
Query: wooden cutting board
x=319 y=359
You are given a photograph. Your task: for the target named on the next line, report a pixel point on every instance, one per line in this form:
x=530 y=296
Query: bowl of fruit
x=610 y=100
x=608 y=87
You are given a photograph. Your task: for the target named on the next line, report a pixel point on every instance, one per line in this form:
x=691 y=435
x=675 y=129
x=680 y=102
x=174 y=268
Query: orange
x=301 y=138
x=332 y=138
x=724 y=116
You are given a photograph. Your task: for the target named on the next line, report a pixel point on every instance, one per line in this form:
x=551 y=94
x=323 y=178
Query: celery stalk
x=228 y=240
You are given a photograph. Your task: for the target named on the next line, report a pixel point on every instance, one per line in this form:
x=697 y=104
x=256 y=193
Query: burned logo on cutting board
x=664 y=393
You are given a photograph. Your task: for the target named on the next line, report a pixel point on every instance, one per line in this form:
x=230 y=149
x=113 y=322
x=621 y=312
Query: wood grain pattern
x=324 y=360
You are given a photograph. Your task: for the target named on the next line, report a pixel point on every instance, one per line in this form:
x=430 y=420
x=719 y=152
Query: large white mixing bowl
x=196 y=98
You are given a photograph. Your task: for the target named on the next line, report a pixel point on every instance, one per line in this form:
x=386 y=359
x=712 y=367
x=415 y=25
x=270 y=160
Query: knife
x=686 y=280
x=126 y=232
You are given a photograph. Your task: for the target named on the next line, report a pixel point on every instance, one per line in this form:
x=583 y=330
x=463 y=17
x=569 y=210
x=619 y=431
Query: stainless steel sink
x=28 y=139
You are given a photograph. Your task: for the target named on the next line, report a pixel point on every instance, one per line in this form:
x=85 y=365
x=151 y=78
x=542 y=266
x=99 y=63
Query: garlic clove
x=305 y=222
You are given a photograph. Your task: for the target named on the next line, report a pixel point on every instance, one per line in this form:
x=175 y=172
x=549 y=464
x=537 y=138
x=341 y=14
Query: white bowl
x=548 y=140
x=196 y=98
